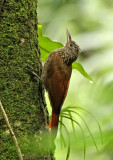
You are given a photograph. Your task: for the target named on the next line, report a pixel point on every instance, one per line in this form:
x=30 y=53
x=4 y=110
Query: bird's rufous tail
x=54 y=121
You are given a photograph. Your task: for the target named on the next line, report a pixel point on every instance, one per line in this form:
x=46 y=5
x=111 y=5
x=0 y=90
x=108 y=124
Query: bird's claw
x=31 y=71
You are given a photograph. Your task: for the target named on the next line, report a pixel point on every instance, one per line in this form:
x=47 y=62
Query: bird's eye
x=71 y=45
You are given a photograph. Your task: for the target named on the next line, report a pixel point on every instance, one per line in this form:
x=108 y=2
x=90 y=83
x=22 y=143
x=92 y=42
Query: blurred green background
x=90 y=23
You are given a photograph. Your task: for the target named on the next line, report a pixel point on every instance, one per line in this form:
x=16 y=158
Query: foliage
x=67 y=113
x=47 y=46
x=90 y=23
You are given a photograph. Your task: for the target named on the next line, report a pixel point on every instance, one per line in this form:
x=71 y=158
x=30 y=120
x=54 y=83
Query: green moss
x=21 y=94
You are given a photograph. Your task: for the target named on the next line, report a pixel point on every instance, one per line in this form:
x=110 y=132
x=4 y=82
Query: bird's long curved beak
x=68 y=35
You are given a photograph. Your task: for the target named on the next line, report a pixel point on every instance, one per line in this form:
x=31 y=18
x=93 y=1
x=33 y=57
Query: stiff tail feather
x=54 y=121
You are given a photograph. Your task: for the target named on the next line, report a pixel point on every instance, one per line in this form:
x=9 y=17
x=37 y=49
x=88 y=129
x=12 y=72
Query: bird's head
x=72 y=46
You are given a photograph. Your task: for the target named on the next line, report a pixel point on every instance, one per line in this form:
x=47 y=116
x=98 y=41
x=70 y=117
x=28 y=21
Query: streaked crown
x=70 y=50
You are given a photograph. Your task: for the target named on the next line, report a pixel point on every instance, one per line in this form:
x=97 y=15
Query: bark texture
x=21 y=93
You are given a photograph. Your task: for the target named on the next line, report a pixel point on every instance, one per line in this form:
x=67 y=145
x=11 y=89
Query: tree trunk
x=21 y=93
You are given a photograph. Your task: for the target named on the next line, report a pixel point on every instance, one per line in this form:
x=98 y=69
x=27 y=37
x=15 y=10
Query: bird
x=56 y=76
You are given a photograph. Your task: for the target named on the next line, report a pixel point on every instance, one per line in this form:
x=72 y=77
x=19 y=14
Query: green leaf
x=72 y=108
x=46 y=45
x=86 y=126
x=68 y=150
x=72 y=123
x=71 y=119
x=80 y=68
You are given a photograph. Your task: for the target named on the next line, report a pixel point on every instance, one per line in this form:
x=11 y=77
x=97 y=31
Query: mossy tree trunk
x=21 y=94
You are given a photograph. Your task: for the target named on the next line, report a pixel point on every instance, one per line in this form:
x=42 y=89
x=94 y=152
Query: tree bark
x=21 y=93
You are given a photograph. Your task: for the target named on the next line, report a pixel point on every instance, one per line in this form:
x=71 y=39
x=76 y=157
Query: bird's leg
x=32 y=72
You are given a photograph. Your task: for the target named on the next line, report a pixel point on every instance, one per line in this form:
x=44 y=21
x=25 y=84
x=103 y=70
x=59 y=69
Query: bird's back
x=55 y=76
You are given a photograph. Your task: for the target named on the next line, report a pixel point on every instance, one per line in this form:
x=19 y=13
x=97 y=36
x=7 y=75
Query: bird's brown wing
x=47 y=71
x=57 y=83
x=57 y=93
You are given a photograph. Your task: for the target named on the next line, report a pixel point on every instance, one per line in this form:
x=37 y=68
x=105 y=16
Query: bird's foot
x=32 y=72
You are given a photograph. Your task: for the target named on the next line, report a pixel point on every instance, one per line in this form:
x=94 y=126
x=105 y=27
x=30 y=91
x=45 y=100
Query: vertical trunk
x=21 y=93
